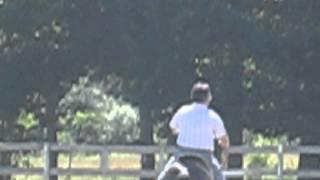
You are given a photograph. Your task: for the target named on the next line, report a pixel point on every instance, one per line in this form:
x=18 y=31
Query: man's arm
x=224 y=143
x=221 y=136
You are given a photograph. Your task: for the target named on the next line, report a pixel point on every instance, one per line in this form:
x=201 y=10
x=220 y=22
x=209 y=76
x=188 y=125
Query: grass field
x=119 y=161
x=116 y=161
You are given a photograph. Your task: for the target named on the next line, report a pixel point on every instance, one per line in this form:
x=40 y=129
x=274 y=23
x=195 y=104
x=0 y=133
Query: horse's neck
x=197 y=169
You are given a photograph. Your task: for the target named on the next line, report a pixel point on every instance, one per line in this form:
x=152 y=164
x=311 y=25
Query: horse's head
x=188 y=168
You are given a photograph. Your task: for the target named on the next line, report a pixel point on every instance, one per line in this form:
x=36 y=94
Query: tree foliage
x=89 y=115
x=261 y=58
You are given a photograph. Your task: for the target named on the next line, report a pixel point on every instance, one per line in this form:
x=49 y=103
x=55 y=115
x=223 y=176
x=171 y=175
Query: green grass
x=127 y=161
x=116 y=161
x=75 y=178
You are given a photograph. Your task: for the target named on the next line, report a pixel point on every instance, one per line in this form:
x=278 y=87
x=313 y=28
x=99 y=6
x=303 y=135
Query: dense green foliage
x=261 y=57
x=89 y=115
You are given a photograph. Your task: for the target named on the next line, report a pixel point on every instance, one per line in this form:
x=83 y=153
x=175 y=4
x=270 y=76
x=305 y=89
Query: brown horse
x=188 y=168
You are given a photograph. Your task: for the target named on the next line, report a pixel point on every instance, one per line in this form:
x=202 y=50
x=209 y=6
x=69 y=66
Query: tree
x=250 y=51
x=91 y=116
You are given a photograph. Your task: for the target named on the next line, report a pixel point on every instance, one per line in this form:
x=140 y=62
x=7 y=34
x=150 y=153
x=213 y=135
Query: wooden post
x=104 y=156
x=280 y=163
x=161 y=156
x=69 y=164
x=46 y=158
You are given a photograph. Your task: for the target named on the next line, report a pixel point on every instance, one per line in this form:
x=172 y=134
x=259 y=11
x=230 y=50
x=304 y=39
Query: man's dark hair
x=200 y=91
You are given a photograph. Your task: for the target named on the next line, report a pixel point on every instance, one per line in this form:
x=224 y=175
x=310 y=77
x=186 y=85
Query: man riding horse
x=197 y=126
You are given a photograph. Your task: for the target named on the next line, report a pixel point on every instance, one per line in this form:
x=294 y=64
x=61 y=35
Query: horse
x=188 y=168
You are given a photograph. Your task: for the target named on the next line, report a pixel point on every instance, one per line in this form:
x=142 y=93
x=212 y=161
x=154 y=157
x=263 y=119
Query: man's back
x=197 y=126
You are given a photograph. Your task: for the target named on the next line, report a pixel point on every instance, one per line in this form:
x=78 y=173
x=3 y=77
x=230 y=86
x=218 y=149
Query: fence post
x=46 y=158
x=162 y=156
x=69 y=164
x=104 y=156
x=280 y=162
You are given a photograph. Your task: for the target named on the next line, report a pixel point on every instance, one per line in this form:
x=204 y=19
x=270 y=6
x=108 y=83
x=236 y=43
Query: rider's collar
x=199 y=105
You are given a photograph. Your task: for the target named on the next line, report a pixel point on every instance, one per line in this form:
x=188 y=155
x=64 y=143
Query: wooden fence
x=162 y=151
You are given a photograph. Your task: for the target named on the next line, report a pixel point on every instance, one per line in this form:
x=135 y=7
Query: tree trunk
x=5 y=162
x=233 y=107
x=146 y=138
x=53 y=157
x=51 y=123
x=235 y=161
x=309 y=161
x=5 y=157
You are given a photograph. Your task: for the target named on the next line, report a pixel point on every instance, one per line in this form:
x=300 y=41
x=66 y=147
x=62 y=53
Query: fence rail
x=105 y=150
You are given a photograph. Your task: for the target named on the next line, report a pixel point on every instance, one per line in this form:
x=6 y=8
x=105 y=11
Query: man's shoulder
x=212 y=112
x=214 y=115
x=184 y=108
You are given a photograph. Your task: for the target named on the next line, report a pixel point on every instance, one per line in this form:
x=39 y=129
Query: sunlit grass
x=115 y=160
x=75 y=178
x=128 y=161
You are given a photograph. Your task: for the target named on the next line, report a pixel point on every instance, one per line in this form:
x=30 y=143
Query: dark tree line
x=260 y=56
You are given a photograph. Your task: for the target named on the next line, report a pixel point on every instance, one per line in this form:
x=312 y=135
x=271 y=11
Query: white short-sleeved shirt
x=197 y=126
